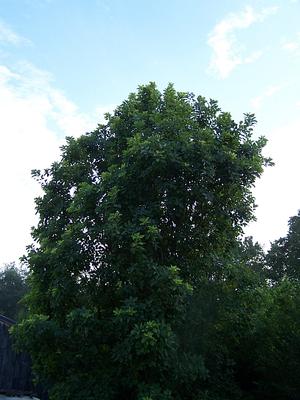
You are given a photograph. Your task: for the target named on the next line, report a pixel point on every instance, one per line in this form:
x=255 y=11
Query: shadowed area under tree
x=15 y=368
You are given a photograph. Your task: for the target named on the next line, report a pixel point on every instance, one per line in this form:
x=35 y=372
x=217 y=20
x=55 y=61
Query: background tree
x=133 y=222
x=217 y=319
x=254 y=335
x=258 y=339
x=283 y=258
x=12 y=288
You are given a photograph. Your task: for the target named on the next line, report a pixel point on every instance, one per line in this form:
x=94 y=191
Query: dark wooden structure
x=15 y=368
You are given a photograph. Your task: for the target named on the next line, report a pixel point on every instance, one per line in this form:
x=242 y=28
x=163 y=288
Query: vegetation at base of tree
x=12 y=289
x=140 y=287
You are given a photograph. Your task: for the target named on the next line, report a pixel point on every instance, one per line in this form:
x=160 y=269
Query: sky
x=64 y=63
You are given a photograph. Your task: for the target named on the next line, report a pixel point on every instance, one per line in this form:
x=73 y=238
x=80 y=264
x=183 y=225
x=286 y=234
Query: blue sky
x=65 y=62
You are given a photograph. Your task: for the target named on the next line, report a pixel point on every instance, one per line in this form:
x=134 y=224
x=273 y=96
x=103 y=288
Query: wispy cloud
x=8 y=36
x=292 y=46
x=226 y=50
x=270 y=91
x=35 y=117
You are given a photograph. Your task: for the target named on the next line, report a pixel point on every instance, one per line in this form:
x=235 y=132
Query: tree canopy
x=133 y=252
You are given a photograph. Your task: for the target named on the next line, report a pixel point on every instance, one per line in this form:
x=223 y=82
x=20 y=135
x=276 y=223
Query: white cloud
x=253 y=57
x=257 y=101
x=292 y=46
x=10 y=37
x=35 y=116
x=277 y=193
x=227 y=54
x=6 y=74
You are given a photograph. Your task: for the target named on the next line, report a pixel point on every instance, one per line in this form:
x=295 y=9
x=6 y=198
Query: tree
x=12 y=288
x=131 y=222
x=254 y=336
x=258 y=337
x=283 y=258
x=217 y=323
x=276 y=334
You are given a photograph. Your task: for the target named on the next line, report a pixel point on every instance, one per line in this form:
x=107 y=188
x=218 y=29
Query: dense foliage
x=12 y=288
x=139 y=286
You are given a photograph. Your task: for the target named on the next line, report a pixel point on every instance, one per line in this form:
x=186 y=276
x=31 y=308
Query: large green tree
x=133 y=220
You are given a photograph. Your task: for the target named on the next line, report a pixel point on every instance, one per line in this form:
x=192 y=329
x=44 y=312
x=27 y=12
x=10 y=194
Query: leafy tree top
x=131 y=219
